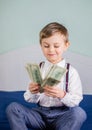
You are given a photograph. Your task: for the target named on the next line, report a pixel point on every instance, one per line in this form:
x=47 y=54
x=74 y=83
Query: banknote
x=52 y=78
x=34 y=73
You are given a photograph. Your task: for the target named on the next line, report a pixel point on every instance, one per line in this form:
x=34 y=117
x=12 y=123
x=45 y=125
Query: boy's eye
x=56 y=46
x=46 y=46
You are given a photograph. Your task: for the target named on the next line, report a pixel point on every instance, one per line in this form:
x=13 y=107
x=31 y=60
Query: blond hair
x=52 y=28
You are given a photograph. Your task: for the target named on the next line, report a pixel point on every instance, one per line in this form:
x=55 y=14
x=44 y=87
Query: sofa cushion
x=86 y=104
x=7 y=97
x=17 y=96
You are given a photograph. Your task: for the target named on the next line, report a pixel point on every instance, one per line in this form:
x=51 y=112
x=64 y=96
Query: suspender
x=41 y=63
x=67 y=74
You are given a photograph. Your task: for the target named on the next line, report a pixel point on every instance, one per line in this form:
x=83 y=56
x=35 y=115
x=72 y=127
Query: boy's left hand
x=54 y=91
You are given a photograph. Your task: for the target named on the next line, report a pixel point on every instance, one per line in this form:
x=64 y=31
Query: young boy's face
x=53 y=47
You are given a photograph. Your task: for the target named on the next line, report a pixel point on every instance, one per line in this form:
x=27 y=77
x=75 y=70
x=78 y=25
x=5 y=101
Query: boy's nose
x=51 y=49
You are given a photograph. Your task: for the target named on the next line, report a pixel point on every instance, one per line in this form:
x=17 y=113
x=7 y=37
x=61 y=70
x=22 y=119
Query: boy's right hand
x=34 y=88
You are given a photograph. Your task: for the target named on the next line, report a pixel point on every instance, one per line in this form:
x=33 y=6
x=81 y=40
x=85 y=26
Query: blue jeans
x=42 y=118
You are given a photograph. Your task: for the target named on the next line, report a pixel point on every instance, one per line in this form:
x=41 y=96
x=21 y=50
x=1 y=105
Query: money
x=34 y=73
x=52 y=78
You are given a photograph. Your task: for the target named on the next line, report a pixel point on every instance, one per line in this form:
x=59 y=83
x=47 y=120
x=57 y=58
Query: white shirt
x=72 y=97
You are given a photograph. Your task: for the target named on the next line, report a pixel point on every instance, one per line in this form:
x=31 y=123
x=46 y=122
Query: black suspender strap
x=67 y=76
x=41 y=63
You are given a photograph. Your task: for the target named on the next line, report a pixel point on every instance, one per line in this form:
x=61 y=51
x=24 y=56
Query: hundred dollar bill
x=54 y=76
x=34 y=73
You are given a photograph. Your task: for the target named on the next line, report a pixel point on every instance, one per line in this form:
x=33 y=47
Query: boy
x=58 y=105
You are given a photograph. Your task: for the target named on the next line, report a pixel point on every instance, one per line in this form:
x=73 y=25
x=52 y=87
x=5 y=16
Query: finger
x=50 y=95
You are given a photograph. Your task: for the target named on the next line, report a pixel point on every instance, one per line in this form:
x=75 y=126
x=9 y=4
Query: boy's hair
x=52 y=28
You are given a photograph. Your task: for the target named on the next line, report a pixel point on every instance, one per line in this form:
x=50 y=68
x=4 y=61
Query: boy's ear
x=67 y=44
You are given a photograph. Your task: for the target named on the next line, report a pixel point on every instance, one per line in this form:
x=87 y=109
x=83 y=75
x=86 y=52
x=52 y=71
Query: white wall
x=13 y=75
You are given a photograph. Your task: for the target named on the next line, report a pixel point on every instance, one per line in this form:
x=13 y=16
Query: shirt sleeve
x=74 y=95
x=29 y=97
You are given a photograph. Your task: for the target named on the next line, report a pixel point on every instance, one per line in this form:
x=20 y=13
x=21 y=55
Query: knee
x=11 y=107
x=83 y=115
x=80 y=114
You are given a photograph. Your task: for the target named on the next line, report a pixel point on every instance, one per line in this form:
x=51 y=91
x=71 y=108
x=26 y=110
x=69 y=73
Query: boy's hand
x=54 y=92
x=34 y=88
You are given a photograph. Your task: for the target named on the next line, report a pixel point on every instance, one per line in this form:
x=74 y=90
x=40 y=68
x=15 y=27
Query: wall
x=13 y=75
x=20 y=23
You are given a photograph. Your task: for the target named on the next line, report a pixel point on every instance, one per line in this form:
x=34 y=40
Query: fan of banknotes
x=52 y=78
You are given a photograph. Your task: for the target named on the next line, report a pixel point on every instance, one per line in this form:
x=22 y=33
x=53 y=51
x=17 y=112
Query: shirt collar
x=62 y=63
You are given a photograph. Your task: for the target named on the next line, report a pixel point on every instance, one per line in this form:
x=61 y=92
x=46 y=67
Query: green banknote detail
x=52 y=78
x=34 y=73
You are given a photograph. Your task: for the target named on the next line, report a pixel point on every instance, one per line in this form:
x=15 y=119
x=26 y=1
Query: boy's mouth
x=51 y=54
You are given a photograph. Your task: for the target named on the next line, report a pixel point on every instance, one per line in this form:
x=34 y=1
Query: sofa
x=6 y=97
